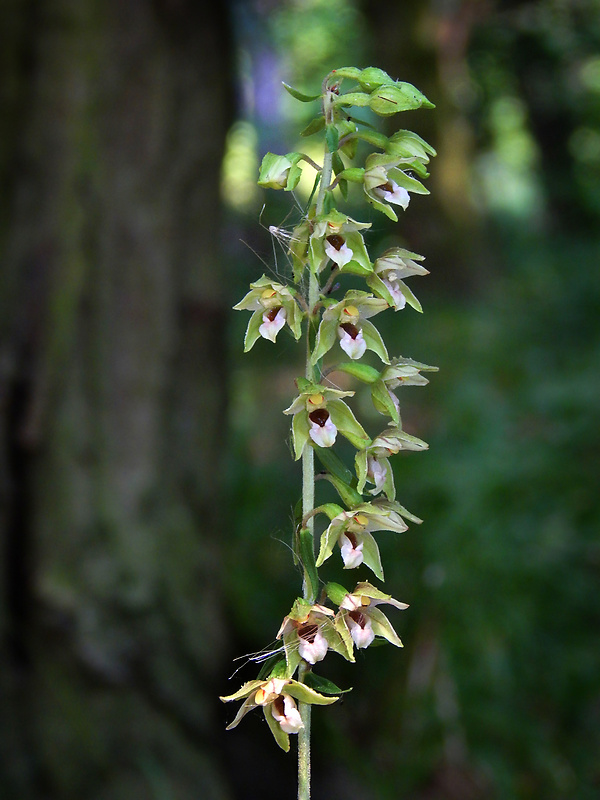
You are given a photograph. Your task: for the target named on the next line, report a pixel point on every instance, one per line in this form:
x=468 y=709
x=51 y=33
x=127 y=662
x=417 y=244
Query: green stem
x=308 y=472
x=304 y=742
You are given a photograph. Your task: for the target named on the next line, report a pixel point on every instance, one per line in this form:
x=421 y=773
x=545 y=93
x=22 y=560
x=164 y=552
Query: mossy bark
x=112 y=374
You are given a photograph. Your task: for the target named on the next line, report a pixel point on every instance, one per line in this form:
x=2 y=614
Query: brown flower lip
x=319 y=416
x=335 y=240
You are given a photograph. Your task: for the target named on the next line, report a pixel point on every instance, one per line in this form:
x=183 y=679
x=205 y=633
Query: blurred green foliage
x=497 y=693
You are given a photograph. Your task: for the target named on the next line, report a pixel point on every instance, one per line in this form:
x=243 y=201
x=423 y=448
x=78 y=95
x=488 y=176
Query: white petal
x=290 y=720
x=399 y=196
x=355 y=348
x=270 y=328
x=377 y=473
x=362 y=637
x=341 y=256
x=351 y=556
x=351 y=602
x=324 y=435
x=396 y=292
x=313 y=651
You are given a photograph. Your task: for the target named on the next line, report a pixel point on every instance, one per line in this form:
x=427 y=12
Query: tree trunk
x=112 y=398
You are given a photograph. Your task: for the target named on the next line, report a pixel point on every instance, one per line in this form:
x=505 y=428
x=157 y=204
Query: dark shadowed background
x=146 y=485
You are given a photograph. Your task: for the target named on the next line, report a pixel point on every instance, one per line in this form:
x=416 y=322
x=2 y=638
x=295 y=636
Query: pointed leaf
x=332 y=138
x=246 y=689
x=304 y=98
x=307 y=554
x=323 y=685
x=333 y=463
x=316 y=125
x=349 y=496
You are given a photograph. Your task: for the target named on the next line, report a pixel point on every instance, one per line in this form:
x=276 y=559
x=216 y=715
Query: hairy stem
x=308 y=473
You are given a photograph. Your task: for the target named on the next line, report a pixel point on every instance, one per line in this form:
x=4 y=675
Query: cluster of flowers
x=328 y=243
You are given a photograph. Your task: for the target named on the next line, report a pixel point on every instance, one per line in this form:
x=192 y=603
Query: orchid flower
x=352 y=532
x=388 y=271
x=274 y=306
x=337 y=237
x=385 y=182
x=318 y=414
x=348 y=323
x=400 y=372
x=276 y=697
x=359 y=617
x=308 y=633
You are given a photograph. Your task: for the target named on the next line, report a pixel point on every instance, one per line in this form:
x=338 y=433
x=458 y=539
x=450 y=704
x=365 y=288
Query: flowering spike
x=324 y=244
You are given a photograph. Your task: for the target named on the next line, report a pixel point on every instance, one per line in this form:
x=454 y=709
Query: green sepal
x=304 y=693
x=323 y=685
x=383 y=627
x=304 y=98
x=336 y=593
x=326 y=338
x=363 y=372
x=390 y=98
x=244 y=691
x=360 y=463
x=300 y=433
x=307 y=554
x=333 y=463
x=404 y=512
x=252 y=331
x=380 y=395
x=345 y=635
x=374 y=341
x=314 y=126
x=408 y=183
x=379 y=288
x=371 y=556
x=349 y=496
x=280 y=736
x=332 y=138
x=347 y=424
x=357 y=99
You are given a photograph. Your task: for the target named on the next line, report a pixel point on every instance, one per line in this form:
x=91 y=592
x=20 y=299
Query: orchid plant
x=325 y=244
